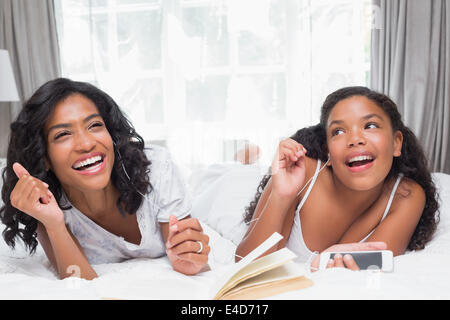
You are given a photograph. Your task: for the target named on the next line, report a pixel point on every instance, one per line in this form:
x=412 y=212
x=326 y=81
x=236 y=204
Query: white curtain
x=205 y=78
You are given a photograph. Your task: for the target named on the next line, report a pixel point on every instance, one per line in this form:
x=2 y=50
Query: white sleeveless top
x=296 y=243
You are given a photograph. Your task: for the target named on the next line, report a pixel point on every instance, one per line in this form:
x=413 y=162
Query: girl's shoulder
x=409 y=193
x=410 y=188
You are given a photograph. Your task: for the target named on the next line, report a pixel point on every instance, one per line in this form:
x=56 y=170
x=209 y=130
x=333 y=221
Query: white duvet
x=221 y=192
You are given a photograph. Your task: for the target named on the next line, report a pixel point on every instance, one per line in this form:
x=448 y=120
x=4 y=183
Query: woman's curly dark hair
x=412 y=162
x=27 y=145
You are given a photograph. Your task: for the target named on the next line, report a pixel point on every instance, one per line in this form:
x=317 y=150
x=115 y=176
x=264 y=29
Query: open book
x=253 y=278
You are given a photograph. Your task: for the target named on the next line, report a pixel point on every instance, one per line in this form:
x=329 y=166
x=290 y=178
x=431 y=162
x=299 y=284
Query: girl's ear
x=398 y=142
x=329 y=162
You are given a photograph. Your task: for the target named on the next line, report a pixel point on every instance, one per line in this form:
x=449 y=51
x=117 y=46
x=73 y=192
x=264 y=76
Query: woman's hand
x=288 y=168
x=32 y=196
x=183 y=245
x=347 y=260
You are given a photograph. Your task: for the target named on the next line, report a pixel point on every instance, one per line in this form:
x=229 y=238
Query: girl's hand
x=288 y=168
x=183 y=245
x=347 y=260
x=32 y=196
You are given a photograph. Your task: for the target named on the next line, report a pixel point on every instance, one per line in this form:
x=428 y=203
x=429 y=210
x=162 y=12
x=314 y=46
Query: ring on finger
x=201 y=247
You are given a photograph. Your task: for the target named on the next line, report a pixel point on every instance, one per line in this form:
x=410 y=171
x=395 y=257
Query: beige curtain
x=411 y=63
x=28 y=32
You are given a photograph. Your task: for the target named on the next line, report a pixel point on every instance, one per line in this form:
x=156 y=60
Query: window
x=204 y=76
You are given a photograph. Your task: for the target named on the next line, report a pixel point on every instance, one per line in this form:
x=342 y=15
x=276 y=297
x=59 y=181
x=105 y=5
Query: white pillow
x=220 y=194
x=440 y=242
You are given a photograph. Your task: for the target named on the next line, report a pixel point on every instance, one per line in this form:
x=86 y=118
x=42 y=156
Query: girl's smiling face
x=361 y=143
x=80 y=150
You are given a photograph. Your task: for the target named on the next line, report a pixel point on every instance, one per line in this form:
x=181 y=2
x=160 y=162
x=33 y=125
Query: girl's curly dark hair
x=27 y=145
x=412 y=162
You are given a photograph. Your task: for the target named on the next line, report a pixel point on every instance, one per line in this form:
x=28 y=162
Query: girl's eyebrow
x=68 y=125
x=366 y=117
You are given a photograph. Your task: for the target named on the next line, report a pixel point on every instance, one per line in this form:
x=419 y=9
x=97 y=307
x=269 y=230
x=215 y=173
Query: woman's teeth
x=87 y=162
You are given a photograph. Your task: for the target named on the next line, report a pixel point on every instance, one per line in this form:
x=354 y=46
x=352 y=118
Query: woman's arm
x=32 y=196
x=65 y=253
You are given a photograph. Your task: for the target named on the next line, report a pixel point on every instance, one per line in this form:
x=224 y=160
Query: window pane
x=210 y=25
x=256 y=98
x=206 y=99
x=85 y=49
x=120 y=2
x=139 y=37
x=262 y=38
x=83 y=4
x=143 y=102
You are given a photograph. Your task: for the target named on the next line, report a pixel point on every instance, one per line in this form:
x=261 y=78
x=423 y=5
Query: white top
x=296 y=243
x=168 y=196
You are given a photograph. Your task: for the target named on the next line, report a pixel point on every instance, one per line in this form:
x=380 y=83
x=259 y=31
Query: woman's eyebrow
x=366 y=117
x=68 y=125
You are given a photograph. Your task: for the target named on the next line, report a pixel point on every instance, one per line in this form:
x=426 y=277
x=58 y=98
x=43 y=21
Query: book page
x=263 y=264
x=230 y=272
x=286 y=271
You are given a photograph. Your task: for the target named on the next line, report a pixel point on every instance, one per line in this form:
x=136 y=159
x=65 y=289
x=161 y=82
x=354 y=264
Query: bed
x=221 y=193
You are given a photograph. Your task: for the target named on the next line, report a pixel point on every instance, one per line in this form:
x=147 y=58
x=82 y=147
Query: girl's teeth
x=360 y=158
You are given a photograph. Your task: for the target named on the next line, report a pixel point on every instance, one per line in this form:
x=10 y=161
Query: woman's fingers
x=187 y=241
x=190 y=247
x=187 y=235
x=33 y=184
x=19 y=170
x=28 y=191
x=181 y=225
x=198 y=259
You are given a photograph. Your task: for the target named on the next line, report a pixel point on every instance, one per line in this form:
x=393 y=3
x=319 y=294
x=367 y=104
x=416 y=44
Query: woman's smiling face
x=361 y=142
x=80 y=150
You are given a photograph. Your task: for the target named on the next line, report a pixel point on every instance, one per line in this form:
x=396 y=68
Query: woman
x=80 y=181
x=358 y=176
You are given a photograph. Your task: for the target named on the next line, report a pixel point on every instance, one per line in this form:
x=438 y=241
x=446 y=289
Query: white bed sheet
x=418 y=275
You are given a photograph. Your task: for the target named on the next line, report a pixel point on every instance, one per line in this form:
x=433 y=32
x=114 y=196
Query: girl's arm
x=398 y=227
x=288 y=176
x=269 y=217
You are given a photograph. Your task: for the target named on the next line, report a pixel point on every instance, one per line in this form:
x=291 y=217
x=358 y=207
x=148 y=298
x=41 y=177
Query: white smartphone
x=366 y=260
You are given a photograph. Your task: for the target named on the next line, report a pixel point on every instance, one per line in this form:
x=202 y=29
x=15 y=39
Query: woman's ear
x=47 y=164
x=398 y=143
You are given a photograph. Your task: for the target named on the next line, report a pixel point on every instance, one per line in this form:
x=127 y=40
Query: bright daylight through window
x=205 y=77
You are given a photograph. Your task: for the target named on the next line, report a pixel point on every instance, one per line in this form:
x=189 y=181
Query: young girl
x=359 y=175
x=80 y=181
